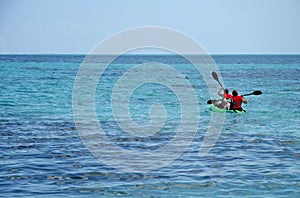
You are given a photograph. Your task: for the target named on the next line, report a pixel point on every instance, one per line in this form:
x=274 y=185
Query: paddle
x=215 y=76
x=212 y=101
x=257 y=92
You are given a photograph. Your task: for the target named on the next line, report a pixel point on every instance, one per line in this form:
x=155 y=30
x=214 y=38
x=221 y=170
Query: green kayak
x=217 y=109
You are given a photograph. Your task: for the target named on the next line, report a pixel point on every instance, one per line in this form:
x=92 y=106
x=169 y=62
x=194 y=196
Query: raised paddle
x=215 y=76
x=257 y=92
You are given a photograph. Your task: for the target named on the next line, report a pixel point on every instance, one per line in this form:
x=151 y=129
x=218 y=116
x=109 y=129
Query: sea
x=47 y=148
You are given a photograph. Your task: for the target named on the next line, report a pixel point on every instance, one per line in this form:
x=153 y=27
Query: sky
x=220 y=26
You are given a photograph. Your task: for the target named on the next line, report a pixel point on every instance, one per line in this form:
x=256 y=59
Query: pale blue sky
x=220 y=26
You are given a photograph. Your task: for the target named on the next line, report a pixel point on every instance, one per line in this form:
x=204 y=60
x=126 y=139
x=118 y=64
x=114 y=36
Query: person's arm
x=221 y=92
x=244 y=100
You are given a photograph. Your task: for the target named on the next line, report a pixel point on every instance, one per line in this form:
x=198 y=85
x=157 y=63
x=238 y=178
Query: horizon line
x=149 y=54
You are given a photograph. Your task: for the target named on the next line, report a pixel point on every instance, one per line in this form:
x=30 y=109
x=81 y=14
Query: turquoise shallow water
x=256 y=155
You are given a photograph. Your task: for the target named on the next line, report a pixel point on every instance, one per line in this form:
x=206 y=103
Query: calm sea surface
x=256 y=155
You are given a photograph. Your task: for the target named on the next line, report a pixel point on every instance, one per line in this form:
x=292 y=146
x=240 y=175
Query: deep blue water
x=256 y=155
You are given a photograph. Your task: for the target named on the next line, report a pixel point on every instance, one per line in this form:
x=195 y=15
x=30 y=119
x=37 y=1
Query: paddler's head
x=235 y=93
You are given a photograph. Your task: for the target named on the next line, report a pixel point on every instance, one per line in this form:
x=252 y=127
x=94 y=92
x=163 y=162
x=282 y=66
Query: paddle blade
x=215 y=75
x=213 y=101
x=258 y=92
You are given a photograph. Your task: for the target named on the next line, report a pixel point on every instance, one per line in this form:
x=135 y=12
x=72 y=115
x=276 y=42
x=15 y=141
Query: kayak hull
x=217 y=109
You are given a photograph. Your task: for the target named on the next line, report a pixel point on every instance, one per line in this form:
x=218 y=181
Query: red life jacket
x=227 y=96
x=226 y=100
x=237 y=102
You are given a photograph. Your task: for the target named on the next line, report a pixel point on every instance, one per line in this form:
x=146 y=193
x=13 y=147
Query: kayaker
x=236 y=101
x=226 y=98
